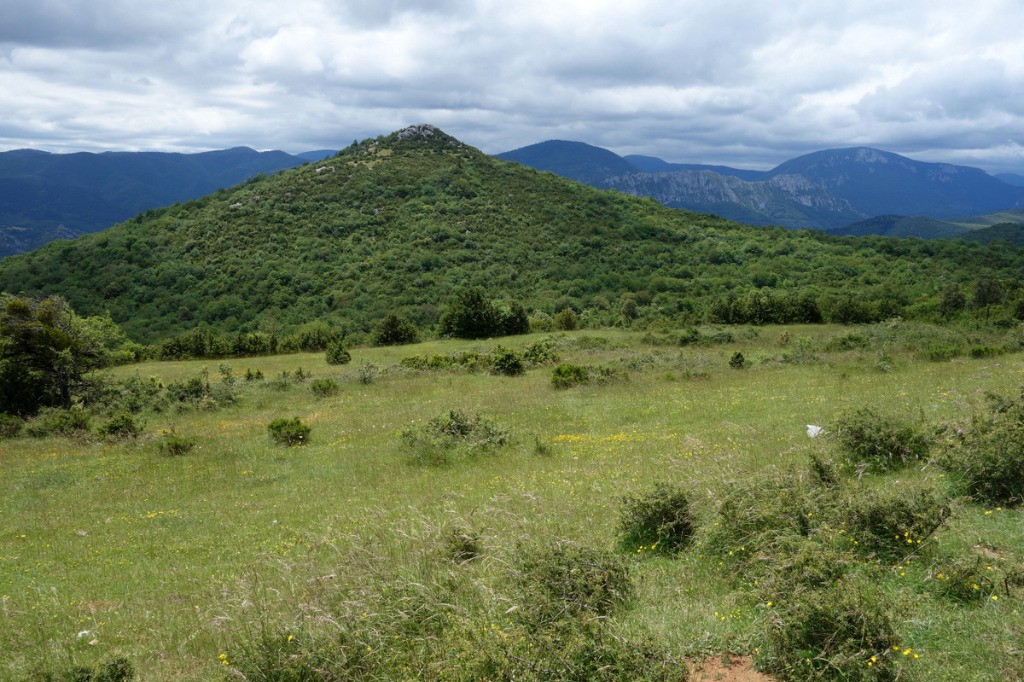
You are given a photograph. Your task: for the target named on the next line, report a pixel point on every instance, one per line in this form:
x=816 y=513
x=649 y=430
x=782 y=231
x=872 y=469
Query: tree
x=45 y=352
x=952 y=300
x=394 y=331
x=471 y=316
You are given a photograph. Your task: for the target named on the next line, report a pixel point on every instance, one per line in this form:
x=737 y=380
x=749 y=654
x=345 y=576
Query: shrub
x=10 y=425
x=115 y=670
x=567 y=375
x=963 y=579
x=324 y=387
x=174 y=445
x=253 y=375
x=394 y=331
x=659 y=520
x=290 y=432
x=445 y=436
x=507 y=362
x=55 y=421
x=463 y=545
x=986 y=460
x=120 y=426
x=843 y=632
x=337 y=354
x=893 y=523
x=737 y=361
x=568 y=581
x=878 y=443
x=566 y=320
x=368 y=373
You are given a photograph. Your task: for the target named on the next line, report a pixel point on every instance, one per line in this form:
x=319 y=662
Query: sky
x=748 y=84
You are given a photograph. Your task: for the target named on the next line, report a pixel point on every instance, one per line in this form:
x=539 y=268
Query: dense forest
x=397 y=224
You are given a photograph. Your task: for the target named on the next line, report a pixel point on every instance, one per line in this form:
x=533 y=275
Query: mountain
x=1011 y=179
x=574 y=160
x=1012 y=233
x=46 y=196
x=399 y=223
x=826 y=189
x=317 y=155
x=652 y=164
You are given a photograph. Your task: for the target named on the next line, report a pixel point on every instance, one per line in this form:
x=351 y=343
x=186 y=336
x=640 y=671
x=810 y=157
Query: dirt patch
x=726 y=668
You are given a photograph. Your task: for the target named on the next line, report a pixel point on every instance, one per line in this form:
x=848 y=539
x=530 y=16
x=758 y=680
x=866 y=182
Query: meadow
x=200 y=564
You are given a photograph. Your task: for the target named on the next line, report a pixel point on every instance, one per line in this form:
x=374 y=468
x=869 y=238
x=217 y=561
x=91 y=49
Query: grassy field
x=111 y=548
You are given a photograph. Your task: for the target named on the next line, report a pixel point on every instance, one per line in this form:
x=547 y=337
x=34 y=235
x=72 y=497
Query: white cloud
x=726 y=81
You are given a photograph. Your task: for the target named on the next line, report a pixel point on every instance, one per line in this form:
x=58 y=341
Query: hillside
x=47 y=196
x=901 y=226
x=397 y=223
x=822 y=190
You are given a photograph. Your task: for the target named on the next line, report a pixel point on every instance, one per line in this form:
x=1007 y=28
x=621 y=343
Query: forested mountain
x=398 y=223
x=46 y=196
x=822 y=190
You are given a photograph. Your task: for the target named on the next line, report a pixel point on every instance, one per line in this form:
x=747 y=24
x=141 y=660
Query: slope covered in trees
x=399 y=223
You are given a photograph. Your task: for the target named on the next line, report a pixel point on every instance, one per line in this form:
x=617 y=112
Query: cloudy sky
x=747 y=83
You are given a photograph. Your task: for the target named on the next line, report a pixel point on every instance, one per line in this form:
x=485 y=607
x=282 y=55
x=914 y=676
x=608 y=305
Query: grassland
x=110 y=548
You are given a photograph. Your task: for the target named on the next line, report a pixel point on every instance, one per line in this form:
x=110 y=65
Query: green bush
x=337 y=354
x=10 y=425
x=324 y=387
x=567 y=375
x=290 y=432
x=566 y=581
x=894 y=522
x=737 y=361
x=120 y=426
x=878 y=443
x=55 y=421
x=395 y=330
x=507 y=362
x=174 y=445
x=115 y=670
x=368 y=373
x=447 y=436
x=843 y=632
x=659 y=520
x=986 y=459
x=963 y=579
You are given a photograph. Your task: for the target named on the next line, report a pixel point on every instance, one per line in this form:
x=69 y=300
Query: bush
x=120 y=426
x=394 y=331
x=10 y=425
x=368 y=373
x=324 y=387
x=115 y=670
x=659 y=520
x=567 y=581
x=878 y=443
x=174 y=445
x=567 y=320
x=567 y=375
x=290 y=432
x=444 y=437
x=737 y=361
x=337 y=354
x=986 y=460
x=843 y=632
x=893 y=523
x=965 y=580
x=507 y=362
x=55 y=421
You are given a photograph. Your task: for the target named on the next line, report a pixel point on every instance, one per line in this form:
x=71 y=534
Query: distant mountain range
x=46 y=196
x=823 y=190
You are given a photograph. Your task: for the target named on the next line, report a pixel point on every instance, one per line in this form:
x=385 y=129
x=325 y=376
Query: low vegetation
x=452 y=514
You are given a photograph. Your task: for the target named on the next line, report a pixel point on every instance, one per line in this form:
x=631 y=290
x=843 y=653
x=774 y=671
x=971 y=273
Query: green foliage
x=291 y=432
x=115 y=670
x=566 y=320
x=58 y=421
x=337 y=354
x=445 y=437
x=395 y=330
x=893 y=523
x=986 y=458
x=507 y=362
x=737 y=361
x=46 y=350
x=965 y=579
x=173 y=445
x=566 y=582
x=368 y=373
x=120 y=426
x=878 y=442
x=567 y=375
x=324 y=387
x=471 y=315
x=700 y=337
x=10 y=425
x=841 y=632
x=659 y=520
